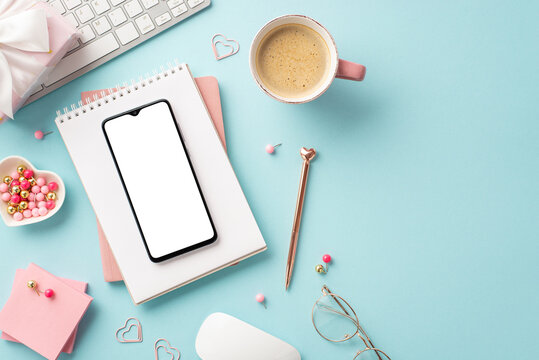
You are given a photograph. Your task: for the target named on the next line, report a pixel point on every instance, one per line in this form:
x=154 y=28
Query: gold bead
x=20 y=169
x=21 y=179
x=320 y=269
x=8 y=180
x=25 y=194
x=15 y=190
x=11 y=210
x=32 y=181
x=32 y=284
x=23 y=206
x=51 y=195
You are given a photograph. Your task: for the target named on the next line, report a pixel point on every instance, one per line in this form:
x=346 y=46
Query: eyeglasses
x=336 y=321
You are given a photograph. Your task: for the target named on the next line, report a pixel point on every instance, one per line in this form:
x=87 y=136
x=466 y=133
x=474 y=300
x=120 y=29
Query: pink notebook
x=209 y=89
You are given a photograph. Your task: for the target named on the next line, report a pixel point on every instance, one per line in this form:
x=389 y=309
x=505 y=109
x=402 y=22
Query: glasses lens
x=334 y=319
x=371 y=355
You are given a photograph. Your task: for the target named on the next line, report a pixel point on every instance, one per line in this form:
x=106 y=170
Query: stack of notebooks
x=196 y=106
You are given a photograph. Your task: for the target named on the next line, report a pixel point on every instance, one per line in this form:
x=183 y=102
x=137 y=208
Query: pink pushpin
x=261 y=299
x=40 y=134
x=270 y=149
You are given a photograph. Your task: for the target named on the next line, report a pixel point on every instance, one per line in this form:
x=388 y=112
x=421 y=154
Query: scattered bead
x=40 y=134
x=27 y=213
x=270 y=149
x=41 y=181
x=45 y=189
x=261 y=299
x=326 y=258
x=49 y=293
x=18 y=216
x=43 y=211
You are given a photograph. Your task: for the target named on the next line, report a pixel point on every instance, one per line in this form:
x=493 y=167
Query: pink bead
x=15 y=175
x=35 y=212
x=27 y=213
x=49 y=293
x=40 y=197
x=25 y=185
x=32 y=205
x=45 y=189
x=43 y=211
x=28 y=173
x=36 y=189
x=41 y=204
x=17 y=216
x=3 y=187
x=39 y=134
x=260 y=298
x=6 y=197
x=326 y=258
x=53 y=186
x=51 y=204
x=41 y=181
x=270 y=149
x=15 y=183
x=16 y=198
x=32 y=197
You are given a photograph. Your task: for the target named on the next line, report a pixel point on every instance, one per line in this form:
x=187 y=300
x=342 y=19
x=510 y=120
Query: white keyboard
x=109 y=28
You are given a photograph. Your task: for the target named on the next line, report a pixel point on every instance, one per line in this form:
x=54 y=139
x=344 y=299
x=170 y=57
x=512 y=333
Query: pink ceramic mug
x=337 y=67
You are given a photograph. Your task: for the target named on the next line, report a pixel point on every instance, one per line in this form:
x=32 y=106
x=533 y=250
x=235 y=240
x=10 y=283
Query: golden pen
x=307 y=155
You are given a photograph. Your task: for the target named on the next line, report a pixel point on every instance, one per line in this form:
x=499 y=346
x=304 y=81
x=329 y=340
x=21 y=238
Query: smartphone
x=159 y=181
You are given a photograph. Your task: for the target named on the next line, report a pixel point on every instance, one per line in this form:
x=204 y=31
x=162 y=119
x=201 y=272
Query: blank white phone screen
x=159 y=181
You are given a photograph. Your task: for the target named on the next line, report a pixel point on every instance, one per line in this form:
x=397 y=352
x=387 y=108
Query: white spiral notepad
x=238 y=234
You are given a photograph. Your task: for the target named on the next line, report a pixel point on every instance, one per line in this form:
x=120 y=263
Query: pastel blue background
x=425 y=191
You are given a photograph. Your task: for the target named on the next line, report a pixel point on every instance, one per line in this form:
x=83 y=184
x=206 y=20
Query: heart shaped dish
x=7 y=166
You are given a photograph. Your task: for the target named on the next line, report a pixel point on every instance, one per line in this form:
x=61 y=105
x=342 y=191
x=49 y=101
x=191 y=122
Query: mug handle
x=350 y=71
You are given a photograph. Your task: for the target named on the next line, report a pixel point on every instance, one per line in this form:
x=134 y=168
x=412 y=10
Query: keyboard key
x=101 y=25
x=133 y=8
x=71 y=19
x=149 y=3
x=116 y=2
x=177 y=11
x=57 y=4
x=173 y=3
x=163 y=18
x=84 y=13
x=71 y=4
x=193 y=3
x=86 y=34
x=127 y=33
x=83 y=57
x=117 y=17
x=100 y=6
x=145 y=24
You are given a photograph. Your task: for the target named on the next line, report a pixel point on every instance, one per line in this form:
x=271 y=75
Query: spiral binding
x=121 y=91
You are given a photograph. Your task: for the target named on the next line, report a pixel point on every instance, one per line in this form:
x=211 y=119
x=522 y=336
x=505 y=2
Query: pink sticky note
x=43 y=324
x=77 y=285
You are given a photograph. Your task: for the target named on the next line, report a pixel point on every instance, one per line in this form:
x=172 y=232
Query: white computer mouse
x=223 y=337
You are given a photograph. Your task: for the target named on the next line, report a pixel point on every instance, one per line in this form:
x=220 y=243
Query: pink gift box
x=62 y=35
